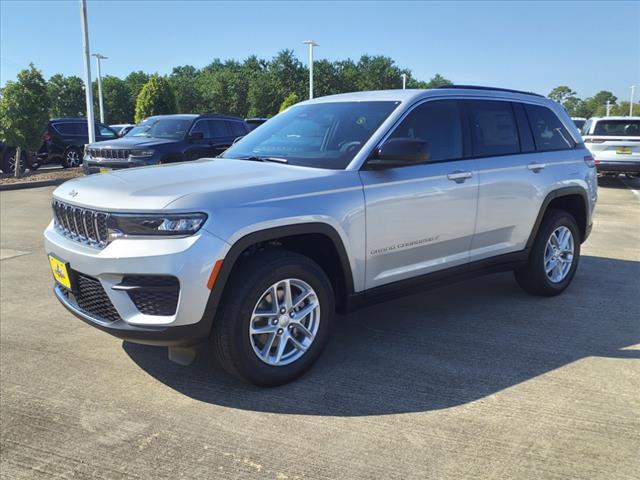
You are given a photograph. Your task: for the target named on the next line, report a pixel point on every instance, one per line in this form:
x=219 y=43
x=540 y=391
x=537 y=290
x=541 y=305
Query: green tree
x=134 y=82
x=116 y=100
x=622 y=109
x=66 y=96
x=183 y=80
x=561 y=94
x=155 y=98
x=289 y=100
x=596 y=105
x=438 y=81
x=223 y=91
x=24 y=110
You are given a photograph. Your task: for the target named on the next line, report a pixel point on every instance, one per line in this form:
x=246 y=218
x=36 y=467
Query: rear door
x=420 y=218
x=519 y=150
x=221 y=136
x=199 y=148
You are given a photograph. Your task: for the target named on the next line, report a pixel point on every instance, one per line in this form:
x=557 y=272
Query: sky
x=534 y=46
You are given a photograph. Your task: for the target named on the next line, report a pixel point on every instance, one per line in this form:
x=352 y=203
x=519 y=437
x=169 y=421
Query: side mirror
x=398 y=152
x=193 y=136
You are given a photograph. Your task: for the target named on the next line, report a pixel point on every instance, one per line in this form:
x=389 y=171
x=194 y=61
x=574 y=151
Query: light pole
x=608 y=107
x=633 y=89
x=99 y=57
x=311 y=44
x=87 y=70
x=404 y=80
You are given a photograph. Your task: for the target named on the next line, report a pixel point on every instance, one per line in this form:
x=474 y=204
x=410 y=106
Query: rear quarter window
x=548 y=131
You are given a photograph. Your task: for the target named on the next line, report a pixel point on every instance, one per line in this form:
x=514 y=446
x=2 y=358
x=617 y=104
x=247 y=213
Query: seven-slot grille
x=110 y=153
x=81 y=224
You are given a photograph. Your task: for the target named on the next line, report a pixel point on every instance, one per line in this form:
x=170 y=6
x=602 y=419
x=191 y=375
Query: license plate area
x=61 y=272
x=623 y=150
x=104 y=170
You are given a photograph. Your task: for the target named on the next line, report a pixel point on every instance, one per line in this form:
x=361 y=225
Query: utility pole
x=87 y=70
x=608 y=105
x=633 y=89
x=311 y=44
x=99 y=57
x=404 y=80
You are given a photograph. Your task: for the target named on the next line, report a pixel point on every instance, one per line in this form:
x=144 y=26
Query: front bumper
x=92 y=165
x=189 y=259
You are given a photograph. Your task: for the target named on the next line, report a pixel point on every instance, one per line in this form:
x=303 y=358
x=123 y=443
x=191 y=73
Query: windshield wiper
x=257 y=158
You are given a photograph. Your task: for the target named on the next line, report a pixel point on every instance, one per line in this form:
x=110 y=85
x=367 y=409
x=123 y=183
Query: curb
x=41 y=183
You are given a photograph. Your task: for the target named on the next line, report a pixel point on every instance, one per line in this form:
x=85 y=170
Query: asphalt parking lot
x=474 y=380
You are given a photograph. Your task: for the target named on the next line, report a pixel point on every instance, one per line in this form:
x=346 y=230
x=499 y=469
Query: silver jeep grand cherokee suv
x=334 y=203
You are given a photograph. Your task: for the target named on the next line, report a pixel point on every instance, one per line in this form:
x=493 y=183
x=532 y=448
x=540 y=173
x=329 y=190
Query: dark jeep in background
x=64 y=139
x=166 y=139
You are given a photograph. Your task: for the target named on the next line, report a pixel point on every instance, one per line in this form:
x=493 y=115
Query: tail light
x=590 y=161
x=595 y=140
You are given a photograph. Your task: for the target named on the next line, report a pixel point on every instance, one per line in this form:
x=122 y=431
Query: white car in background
x=579 y=122
x=614 y=143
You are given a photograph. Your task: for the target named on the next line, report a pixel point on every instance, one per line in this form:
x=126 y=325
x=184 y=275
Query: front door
x=421 y=218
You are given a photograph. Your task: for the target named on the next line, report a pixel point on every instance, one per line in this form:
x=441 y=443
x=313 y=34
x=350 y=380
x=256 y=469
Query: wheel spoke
x=302 y=314
x=274 y=298
x=282 y=344
x=264 y=353
x=288 y=302
x=300 y=347
x=550 y=265
x=301 y=298
x=269 y=328
x=304 y=330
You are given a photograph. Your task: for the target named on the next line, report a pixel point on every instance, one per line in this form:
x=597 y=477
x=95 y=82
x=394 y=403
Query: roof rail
x=495 y=89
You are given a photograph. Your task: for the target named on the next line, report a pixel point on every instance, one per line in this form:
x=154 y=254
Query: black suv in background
x=166 y=139
x=64 y=139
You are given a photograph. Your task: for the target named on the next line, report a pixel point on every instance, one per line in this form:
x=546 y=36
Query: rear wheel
x=72 y=158
x=554 y=256
x=274 y=319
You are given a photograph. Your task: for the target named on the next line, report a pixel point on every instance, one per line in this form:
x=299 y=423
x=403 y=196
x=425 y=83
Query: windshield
x=322 y=135
x=172 y=128
x=618 y=128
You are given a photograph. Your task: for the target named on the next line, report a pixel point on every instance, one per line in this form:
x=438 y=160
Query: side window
x=526 y=138
x=66 y=128
x=437 y=123
x=237 y=129
x=81 y=128
x=106 y=132
x=493 y=128
x=218 y=128
x=548 y=131
x=201 y=126
x=586 y=127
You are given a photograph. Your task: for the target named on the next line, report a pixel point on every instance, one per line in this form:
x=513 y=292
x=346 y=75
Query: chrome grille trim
x=81 y=224
x=110 y=153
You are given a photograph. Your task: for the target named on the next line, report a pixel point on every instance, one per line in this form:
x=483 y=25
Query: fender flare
x=260 y=236
x=560 y=192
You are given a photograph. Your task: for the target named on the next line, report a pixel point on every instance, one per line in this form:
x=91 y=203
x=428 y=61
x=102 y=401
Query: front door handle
x=536 y=167
x=459 y=176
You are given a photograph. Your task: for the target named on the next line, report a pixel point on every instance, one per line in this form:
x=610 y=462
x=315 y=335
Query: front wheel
x=274 y=319
x=554 y=257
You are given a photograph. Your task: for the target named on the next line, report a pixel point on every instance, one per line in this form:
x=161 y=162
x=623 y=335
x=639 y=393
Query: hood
x=155 y=187
x=133 y=142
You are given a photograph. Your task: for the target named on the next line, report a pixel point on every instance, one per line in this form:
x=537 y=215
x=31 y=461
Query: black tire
x=72 y=158
x=532 y=278
x=8 y=161
x=246 y=285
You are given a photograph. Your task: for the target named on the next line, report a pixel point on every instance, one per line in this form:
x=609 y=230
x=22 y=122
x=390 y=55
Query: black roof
x=495 y=89
x=190 y=116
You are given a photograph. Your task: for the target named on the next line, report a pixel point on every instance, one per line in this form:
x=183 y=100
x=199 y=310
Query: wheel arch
x=571 y=199
x=319 y=241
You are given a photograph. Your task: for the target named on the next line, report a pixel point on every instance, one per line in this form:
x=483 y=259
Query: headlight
x=155 y=225
x=142 y=153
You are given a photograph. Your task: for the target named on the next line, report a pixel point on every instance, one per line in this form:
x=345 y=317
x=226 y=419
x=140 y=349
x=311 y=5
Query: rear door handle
x=536 y=167
x=459 y=176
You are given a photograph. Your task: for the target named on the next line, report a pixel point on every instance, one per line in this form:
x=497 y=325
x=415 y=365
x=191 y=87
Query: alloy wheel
x=284 y=322
x=558 y=254
x=72 y=158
